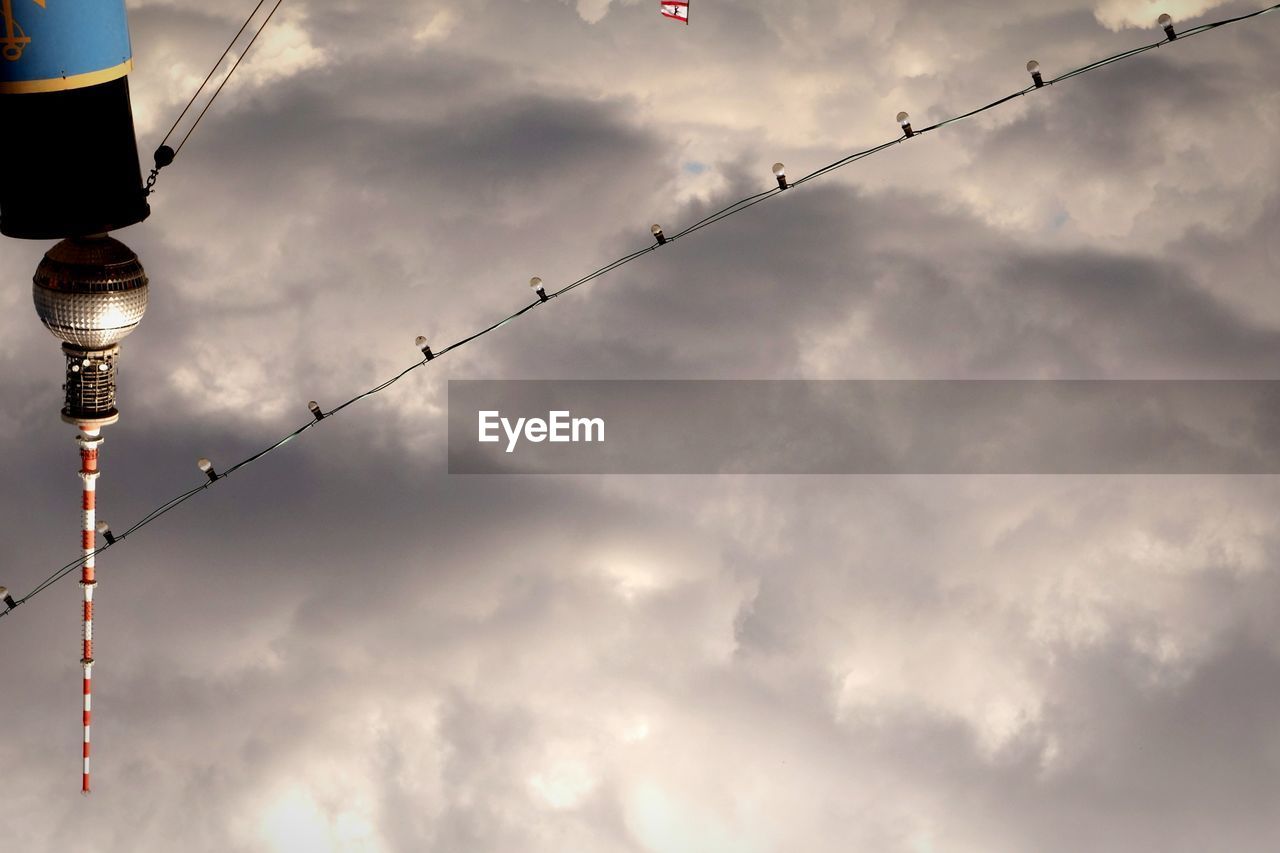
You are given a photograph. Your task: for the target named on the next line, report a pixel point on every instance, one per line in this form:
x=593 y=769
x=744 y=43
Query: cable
x=209 y=76
x=711 y=219
x=165 y=154
x=236 y=65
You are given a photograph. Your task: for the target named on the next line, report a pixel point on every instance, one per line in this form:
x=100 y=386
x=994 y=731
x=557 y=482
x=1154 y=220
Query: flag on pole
x=677 y=10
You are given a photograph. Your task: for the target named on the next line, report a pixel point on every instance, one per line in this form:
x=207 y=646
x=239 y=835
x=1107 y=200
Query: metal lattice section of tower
x=91 y=385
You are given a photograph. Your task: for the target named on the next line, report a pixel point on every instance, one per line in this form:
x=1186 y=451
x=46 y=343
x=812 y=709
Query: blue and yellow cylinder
x=68 y=155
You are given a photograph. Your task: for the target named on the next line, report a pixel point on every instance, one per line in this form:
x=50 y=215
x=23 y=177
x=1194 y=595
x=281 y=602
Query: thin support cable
x=165 y=154
x=209 y=76
x=234 y=66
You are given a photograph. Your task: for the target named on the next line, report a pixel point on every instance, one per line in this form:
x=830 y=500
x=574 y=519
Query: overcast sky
x=344 y=648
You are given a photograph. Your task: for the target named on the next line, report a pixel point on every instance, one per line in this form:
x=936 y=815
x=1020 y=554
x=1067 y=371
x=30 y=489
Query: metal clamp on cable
x=164 y=156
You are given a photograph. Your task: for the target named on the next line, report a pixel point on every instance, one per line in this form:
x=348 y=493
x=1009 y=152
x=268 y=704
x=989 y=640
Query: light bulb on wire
x=656 y=230
x=1033 y=68
x=536 y=284
x=780 y=172
x=1166 y=22
x=207 y=467
x=105 y=530
x=905 y=120
x=421 y=343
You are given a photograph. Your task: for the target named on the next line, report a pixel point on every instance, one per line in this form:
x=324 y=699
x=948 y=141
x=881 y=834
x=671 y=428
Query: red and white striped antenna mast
x=90 y=292
x=90 y=439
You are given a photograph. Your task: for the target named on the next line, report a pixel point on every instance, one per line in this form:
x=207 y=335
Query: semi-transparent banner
x=864 y=427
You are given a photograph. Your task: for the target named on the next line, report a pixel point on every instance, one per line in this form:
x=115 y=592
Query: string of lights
x=543 y=296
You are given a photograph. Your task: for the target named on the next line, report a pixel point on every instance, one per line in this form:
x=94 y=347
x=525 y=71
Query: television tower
x=90 y=292
x=72 y=174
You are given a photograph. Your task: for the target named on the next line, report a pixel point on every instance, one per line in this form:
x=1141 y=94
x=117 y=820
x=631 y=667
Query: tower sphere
x=90 y=292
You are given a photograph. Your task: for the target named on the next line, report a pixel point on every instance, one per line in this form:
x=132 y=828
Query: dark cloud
x=345 y=646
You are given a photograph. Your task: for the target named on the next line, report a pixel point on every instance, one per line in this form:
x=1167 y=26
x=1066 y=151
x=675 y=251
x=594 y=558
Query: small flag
x=676 y=10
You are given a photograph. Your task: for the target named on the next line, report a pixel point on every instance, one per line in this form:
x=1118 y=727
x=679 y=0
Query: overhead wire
x=724 y=213
x=234 y=66
x=166 y=153
x=209 y=76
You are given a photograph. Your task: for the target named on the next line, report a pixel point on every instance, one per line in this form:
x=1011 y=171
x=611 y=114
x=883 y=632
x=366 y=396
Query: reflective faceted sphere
x=90 y=291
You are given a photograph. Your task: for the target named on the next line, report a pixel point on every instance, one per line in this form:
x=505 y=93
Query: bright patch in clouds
x=665 y=822
x=592 y=11
x=438 y=28
x=295 y=821
x=284 y=50
x=1118 y=14
x=564 y=785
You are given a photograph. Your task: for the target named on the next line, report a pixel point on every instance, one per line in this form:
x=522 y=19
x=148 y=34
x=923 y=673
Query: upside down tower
x=90 y=292
x=71 y=173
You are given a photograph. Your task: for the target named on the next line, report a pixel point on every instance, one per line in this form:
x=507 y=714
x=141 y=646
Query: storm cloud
x=345 y=648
